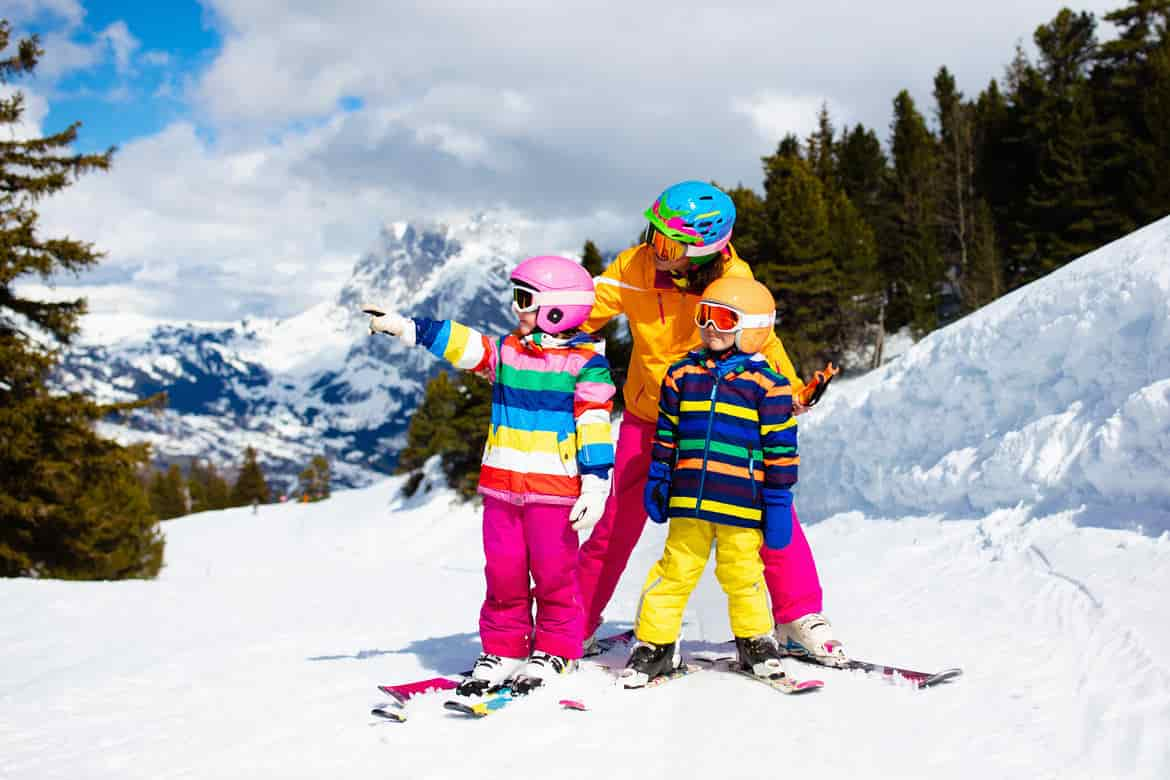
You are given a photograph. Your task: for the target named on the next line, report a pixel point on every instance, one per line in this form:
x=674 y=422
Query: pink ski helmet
x=558 y=289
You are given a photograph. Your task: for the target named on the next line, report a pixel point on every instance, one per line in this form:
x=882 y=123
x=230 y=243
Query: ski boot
x=759 y=655
x=811 y=638
x=541 y=666
x=647 y=661
x=489 y=671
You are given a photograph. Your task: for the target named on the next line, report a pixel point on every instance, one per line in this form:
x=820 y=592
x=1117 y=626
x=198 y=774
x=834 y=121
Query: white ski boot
x=489 y=670
x=541 y=667
x=811 y=637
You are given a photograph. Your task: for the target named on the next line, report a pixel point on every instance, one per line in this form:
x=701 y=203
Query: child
x=723 y=464
x=545 y=472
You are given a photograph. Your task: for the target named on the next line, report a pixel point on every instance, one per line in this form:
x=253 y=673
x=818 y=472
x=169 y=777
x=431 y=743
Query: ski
x=499 y=698
x=920 y=679
x=405 y=691
x=722 y=662
x=682 y=671
x=389 y=714
x=782 y=682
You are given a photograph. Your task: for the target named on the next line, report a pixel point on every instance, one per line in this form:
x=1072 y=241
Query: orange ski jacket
x=662 y=324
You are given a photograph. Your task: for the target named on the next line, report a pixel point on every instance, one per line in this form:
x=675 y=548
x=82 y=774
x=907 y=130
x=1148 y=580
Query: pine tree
x=314 y=480
x=430 y=432
x=822 y=151
x=862 y=171
x=470 y=426
x=250 y=486
x=167 y=495
x=1128 y=83
x=911 y=261
x=796 y=262
x=71 y=503
x=853 y=250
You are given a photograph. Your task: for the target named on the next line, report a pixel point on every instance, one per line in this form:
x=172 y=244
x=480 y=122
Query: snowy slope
x=256 y=652
x=1055 y=396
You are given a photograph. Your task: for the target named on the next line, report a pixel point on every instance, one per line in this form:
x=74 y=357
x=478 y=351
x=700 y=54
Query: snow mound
x=1056 y=396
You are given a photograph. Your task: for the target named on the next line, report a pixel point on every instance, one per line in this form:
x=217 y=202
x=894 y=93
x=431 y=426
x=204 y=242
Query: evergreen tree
x=862 y=170
x=911 y=261
x=207 y=489
x=71 y=503
x=796 y=262
x=822 y=150
x=250 y=486
x=430 y=432
x=167 y=495
x=314 y=480
x=853 y=250
x=1063 y=206
x=750 y=220
x=470 y=426
x=1128 y=83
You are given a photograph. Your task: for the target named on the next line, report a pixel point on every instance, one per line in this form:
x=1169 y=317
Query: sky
x=261 y=147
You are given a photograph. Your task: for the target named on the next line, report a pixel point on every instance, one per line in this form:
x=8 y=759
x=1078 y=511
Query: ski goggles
x=726 y=319
x=665 y=247
x=526 y=299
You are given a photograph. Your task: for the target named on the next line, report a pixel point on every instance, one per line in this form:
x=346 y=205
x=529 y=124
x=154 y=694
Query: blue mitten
x=777 y=518
x=657 y=492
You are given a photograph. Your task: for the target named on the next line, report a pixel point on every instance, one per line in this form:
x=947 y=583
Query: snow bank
x=1056 y=396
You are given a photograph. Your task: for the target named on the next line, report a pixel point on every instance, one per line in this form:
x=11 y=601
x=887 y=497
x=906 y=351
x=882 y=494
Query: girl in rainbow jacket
x=722 y=468
x=546 y=466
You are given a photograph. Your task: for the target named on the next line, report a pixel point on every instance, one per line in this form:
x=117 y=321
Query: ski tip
x=573 y=704
x=807 y=685
x=463 y=709
x=946 y=675
x=385 y=714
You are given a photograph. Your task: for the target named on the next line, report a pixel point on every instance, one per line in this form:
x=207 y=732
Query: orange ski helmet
x=740 y=305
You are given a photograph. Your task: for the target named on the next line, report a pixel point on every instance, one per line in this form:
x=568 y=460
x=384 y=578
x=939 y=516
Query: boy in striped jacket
x=546 y=466
x=724 y=461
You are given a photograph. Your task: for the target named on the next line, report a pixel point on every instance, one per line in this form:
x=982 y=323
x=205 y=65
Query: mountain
x=314 y=382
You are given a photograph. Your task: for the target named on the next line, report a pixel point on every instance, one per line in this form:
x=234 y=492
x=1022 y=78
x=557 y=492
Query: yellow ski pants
x=738 y=568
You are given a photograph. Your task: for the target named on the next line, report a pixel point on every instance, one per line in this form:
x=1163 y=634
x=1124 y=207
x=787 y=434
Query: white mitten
x=384 y=320
x=590 y=504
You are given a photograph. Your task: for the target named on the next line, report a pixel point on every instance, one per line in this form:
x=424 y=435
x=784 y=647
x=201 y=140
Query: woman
x=657 y=285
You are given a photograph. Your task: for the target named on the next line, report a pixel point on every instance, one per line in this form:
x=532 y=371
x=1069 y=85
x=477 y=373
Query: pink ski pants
x=791 y=574
x=519 y=540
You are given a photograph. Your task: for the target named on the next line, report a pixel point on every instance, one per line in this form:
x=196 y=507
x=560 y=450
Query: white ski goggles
x=526 y=299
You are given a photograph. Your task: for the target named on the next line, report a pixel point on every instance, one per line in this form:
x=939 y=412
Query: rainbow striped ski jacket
x=727 y=431
x=551 y=401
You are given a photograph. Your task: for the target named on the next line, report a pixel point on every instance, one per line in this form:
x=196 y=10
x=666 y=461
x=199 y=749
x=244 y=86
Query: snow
x=995 y=499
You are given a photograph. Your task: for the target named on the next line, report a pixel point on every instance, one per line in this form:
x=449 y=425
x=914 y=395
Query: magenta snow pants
x=517 y=540
x=791 y=574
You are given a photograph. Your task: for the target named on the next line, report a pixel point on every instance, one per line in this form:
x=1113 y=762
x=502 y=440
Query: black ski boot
x=759 y=655
x=647 y=661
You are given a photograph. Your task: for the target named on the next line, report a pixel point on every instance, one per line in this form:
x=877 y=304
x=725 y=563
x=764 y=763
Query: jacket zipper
x=707 y=444
x=661 y=311
x=752 y=475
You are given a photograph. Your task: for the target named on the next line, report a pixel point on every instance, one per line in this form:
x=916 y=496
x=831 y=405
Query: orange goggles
x=722 y=318
x=665 y=247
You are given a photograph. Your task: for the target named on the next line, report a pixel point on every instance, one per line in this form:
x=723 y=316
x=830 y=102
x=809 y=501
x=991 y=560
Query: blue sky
x=177 y=40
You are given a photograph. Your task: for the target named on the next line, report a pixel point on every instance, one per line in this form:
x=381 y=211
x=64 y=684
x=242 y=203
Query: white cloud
x=774 y=116
x=122 y=44
x=568 y=117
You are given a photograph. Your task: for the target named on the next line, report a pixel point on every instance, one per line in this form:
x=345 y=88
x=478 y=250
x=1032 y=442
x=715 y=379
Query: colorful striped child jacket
x=727 y=431
x=551 y=401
